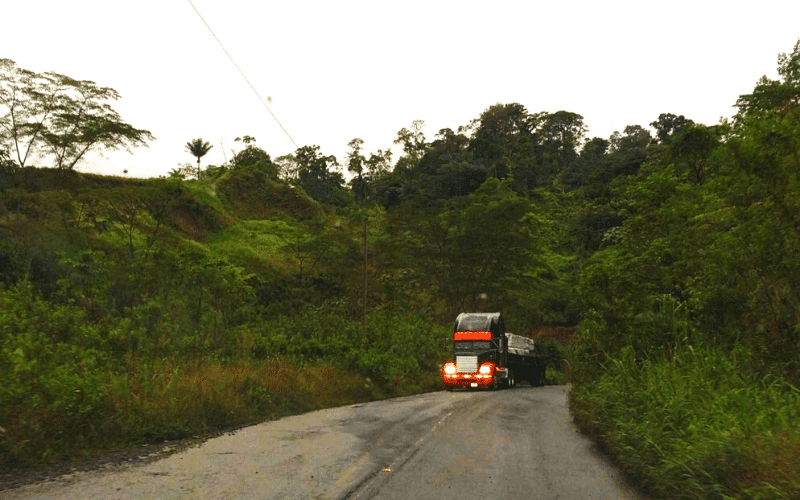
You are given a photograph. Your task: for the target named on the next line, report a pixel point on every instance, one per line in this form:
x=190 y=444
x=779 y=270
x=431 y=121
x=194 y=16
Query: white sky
x=336 y=70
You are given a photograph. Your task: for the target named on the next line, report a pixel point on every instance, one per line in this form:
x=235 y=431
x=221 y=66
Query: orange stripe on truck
x=472 y=335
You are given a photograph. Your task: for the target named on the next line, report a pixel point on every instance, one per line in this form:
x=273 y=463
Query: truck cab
x=479 y=351
x=484 y=355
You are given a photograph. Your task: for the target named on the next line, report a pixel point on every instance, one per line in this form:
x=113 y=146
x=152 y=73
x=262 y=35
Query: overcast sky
x=336 y=70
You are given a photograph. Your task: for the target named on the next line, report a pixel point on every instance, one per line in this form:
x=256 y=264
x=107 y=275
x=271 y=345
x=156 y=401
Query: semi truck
x=485 y=356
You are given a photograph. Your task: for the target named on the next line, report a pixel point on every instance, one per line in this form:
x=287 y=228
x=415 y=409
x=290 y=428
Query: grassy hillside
x=138 y=310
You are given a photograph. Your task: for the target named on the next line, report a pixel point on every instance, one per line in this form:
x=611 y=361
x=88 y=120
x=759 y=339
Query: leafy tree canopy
x=413 y=145
x=318 y=175
x=779 y=95
x=667 y=125
x=49 y=114
x=251 y=155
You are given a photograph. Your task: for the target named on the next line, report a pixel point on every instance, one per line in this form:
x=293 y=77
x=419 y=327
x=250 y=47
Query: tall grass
x=171 y=400
x=696 y=423
x=72 y=387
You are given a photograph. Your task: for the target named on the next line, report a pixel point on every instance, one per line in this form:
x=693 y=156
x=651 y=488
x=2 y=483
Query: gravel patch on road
x=112 y=460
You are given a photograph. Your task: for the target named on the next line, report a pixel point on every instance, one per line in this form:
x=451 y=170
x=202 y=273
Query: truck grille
x=466 y=364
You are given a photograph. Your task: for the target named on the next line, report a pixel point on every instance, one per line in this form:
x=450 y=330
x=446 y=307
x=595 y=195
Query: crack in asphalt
x=397 y=464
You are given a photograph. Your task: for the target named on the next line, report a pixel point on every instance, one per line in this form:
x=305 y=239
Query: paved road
x=510 y=444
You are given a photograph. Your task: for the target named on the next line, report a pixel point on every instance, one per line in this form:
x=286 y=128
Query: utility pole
x=366 y=256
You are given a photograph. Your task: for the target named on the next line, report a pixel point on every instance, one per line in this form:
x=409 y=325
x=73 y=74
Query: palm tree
x=198 y=148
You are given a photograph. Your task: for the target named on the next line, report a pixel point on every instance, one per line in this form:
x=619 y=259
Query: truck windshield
x=469 y=345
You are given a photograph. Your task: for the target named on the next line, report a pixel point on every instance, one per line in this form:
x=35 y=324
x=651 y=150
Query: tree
x=250 y=156
x=597 y=214
x=318 y=174
x=255 y=158
x=414 y=144
x=474 y=246
x=448 y=168
x=710 y=224
x=781 y=95
x=504 y=139
x=379 y=163
x=692 y=147
x=288 y=168
x=29 y=98
x=54 y=114
x=594 y=155
x=628 y=152
x=355 y=165
x=198 y=148
x=667 y=125
x=355 y=160
x=562 y=135
x=366 y=170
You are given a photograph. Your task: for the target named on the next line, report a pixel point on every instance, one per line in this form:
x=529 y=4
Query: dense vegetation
x=144 y=309
x=687 y=367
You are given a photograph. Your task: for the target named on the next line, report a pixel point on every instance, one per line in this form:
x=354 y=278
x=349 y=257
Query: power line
x=243 y=75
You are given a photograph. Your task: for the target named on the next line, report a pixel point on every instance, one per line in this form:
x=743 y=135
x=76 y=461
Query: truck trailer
x=485 y=356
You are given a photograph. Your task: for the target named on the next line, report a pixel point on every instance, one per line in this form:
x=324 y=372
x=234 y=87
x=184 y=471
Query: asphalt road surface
x=511 y=444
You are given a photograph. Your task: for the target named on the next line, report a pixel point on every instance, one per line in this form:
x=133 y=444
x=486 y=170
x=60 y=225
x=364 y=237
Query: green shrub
x=698 y=423
x=54 y=365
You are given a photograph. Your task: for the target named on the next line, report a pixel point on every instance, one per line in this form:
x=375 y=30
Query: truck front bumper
x=467 y=380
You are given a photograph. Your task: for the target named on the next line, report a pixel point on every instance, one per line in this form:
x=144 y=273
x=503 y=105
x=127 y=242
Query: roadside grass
x=173 y=400
x=696 y=425
x=556 y=377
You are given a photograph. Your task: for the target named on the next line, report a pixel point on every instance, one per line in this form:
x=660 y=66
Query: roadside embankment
x=696 y=425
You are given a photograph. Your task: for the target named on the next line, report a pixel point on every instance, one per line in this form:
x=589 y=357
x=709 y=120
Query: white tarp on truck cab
x=480 y=322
